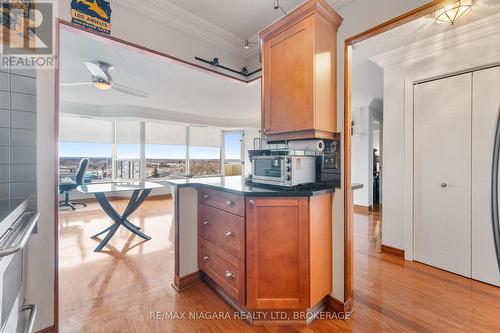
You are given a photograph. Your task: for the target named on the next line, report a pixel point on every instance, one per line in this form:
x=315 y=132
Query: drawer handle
x=205 y=222
x=205 y=196
x=251 y=203
x=229 y=203
x=229 y=234
x=230 y=275
x=205 y=258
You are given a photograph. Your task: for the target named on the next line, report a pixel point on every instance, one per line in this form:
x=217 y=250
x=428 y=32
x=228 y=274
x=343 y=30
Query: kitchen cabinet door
x=288 y=80
x=277 y=253
x=299 y=74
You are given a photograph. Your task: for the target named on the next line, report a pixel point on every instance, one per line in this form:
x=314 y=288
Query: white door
x=442 y=173
x=486 y=105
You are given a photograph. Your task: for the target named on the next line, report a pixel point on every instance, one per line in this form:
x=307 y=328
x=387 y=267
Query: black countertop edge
x=237 y=185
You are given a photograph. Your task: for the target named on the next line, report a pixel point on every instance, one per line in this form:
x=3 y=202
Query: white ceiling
x=243 y=18
x=177 y=92
x=420 y=29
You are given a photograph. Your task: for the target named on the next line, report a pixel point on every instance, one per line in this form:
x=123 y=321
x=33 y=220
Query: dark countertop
x=237 y=185
x=356 y=186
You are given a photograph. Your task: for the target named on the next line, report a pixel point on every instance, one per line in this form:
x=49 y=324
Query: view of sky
x=132 y=151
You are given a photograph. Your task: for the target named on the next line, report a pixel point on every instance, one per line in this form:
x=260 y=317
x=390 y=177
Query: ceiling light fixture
x=103 y=85
x=451 y=13
x=247 y=44
x=278 y=6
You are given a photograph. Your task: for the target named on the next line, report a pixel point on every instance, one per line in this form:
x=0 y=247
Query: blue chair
x=67 y=187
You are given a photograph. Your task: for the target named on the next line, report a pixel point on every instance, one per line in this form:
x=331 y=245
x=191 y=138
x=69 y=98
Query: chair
x=67 y=187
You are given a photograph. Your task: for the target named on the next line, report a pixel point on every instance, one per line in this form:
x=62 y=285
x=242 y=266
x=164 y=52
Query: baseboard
x=363 y=209
x=187 y=281
x=392 y=250
x=336 y=306
x=50 y=329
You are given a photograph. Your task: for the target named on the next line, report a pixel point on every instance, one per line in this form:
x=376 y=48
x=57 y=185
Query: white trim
x=410 y=81
x=433 y=45
x=184 y=21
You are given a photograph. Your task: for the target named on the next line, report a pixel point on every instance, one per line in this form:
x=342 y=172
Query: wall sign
x=92 y=14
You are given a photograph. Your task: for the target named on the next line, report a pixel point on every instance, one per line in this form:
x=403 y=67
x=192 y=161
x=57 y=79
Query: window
x=165 y=147
x=204 y=161
x=204 y=151
x=163 y=161
x=128 y=150
x=233 y=147
x=85 y=138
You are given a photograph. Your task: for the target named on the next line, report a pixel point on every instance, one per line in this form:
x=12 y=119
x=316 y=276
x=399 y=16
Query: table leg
x=136 y=200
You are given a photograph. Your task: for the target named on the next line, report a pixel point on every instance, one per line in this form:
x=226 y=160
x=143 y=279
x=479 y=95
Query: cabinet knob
x=205 y=258
x=230 y=275
x=205 y=196
x=251 y=203
x=205 y=222
x=229 y=234
x=229 y=203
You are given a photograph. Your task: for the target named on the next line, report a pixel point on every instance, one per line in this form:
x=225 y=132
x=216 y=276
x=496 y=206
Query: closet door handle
x=494 y=191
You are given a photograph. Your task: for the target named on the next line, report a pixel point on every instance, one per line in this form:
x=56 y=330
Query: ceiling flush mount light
x=247 y=44
x=451 y=13
x=103 y=85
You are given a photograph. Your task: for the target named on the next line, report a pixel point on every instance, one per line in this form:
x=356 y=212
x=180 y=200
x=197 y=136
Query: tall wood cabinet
x=299 y=74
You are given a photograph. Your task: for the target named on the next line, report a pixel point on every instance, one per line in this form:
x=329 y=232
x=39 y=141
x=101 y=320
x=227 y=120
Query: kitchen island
x=263 y=249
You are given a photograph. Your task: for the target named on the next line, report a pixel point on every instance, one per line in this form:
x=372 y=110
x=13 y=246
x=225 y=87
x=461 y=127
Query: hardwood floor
x=115 y=291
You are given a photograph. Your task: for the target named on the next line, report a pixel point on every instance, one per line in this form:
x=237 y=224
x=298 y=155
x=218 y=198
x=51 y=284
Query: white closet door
x=442 y=173
x=486 y=103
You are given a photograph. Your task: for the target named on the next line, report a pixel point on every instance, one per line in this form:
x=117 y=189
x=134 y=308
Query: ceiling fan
x=102 y=80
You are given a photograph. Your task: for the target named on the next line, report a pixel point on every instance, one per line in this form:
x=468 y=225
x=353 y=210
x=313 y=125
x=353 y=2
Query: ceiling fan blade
x=97 y=71
x=70 y=84
x=129 y=90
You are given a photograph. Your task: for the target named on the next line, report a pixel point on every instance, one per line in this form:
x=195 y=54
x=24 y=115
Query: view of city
x=100 y=168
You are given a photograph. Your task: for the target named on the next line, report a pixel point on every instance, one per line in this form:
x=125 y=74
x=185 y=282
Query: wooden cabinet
x=289 y=252
x=299 y=74
x=276 y=254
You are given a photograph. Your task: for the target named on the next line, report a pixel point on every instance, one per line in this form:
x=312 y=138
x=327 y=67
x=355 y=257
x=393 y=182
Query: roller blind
x=128 y=132
x=205 y=136
x=165 y=134
x=78 y=129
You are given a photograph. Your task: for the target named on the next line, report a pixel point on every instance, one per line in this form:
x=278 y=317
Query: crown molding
x=339 y=4
x=179 y=19
x=184 y=21
x=435 y=44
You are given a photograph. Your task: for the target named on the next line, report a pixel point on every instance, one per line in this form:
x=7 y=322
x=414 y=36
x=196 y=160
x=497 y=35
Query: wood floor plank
x=116 y=291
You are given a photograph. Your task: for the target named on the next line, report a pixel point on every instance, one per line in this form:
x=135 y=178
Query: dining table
x=139 y=191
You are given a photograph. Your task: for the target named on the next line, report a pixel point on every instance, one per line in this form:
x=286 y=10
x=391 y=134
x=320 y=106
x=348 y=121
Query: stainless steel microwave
x=283 y=170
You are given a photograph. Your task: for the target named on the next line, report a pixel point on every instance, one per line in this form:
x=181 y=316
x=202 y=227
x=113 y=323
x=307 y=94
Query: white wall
x=361 y=155
x=362 y=150
x=358 y=16
x=451 y=58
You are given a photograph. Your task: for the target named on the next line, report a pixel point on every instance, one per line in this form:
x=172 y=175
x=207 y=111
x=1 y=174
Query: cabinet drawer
x=229 y=202
x=227 y=271
x=223 y=229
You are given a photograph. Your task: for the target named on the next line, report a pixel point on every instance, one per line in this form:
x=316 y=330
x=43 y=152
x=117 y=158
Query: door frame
x=347 y=183
x=410 y=81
